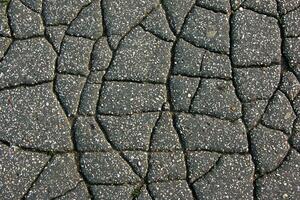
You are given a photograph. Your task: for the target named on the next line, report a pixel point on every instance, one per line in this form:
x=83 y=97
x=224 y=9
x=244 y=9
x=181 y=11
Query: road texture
x=149 y=99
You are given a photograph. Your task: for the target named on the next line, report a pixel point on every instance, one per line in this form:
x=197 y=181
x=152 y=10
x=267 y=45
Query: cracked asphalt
x=150 y=99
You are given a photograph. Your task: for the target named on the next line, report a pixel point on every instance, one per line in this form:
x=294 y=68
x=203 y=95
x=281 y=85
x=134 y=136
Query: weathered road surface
x=149 y=99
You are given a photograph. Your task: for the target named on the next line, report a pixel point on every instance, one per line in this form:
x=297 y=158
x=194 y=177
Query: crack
x=211 y=169
x=211 y=9
x=130 y=29
x=204 y=48
x=199 y=84
x=37 y=178
x=183 y=147
x=127 y=114
x=35 y=150
x=149 y=192
x=86 y=80
x=202 y=76
x=114 y=148
x=65 y=193
x=118 y=184
x=173 y=49
x=25 y=85
x=149 y=148
x=77 y=157
x=163 y=6
x=72 y=120
x=134 y=81
x=8 y=18
x=7 y=50
x=231 y=39
x=257 y=66
x=292 y=10
x=155 y=34
x=81 y=174
x=157 y=151
x=29 y=7
x=169 y=75
x=259 y=12
x=80 y=36
x=174 y=112
x=259 y=176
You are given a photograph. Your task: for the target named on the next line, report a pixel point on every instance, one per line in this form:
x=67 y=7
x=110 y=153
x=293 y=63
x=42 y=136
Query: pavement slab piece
x=95 y=77
x=165 y=136
x=193 y=61
x=200 y=132
x=286 y=6
x=279 y=113
x=141 y=48
x=216 y=65
x=207 y=29
x=291 y=50
x=291 y=23
x=290 y=85
x=89 y=136
x=157 y=24
x=216 y=5
x=27 y=61
x=68 y=89
x=62 y=11
x=57 y=178
x=256 y=83
x=24 y=22
x=138 y=160
x=171 y=190
x=55 y=35
x=268 y=7
x=18 y=169
x=166 y=166
x=284 y=182
x=121 y=15
x=130 y=97
x=4 y=25
x=97 y=168
x=200 y=162
x=79 y=192
x=177 y=11
x=32 y=117
x=88 y=23
x=296 y=136
x=231 y=178
x=253 y=112
x=89 y=99
x=4 y=45
x=269 y=148
x=144 y=194
x=182 y=91
x=75 y=55
x=112 y=192
x=188 y=59
x=35 y=5
x=101 y=55
x=296 y=105
x=129 y=132
x=255 y=39
x=217 y=98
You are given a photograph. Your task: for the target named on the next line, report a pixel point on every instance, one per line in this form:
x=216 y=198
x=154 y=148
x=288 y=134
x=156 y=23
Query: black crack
x=149 y=99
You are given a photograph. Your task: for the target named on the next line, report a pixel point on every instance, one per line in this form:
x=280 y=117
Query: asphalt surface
x=149 y=99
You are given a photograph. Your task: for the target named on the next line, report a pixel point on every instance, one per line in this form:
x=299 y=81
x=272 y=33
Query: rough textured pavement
x=149 y=99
